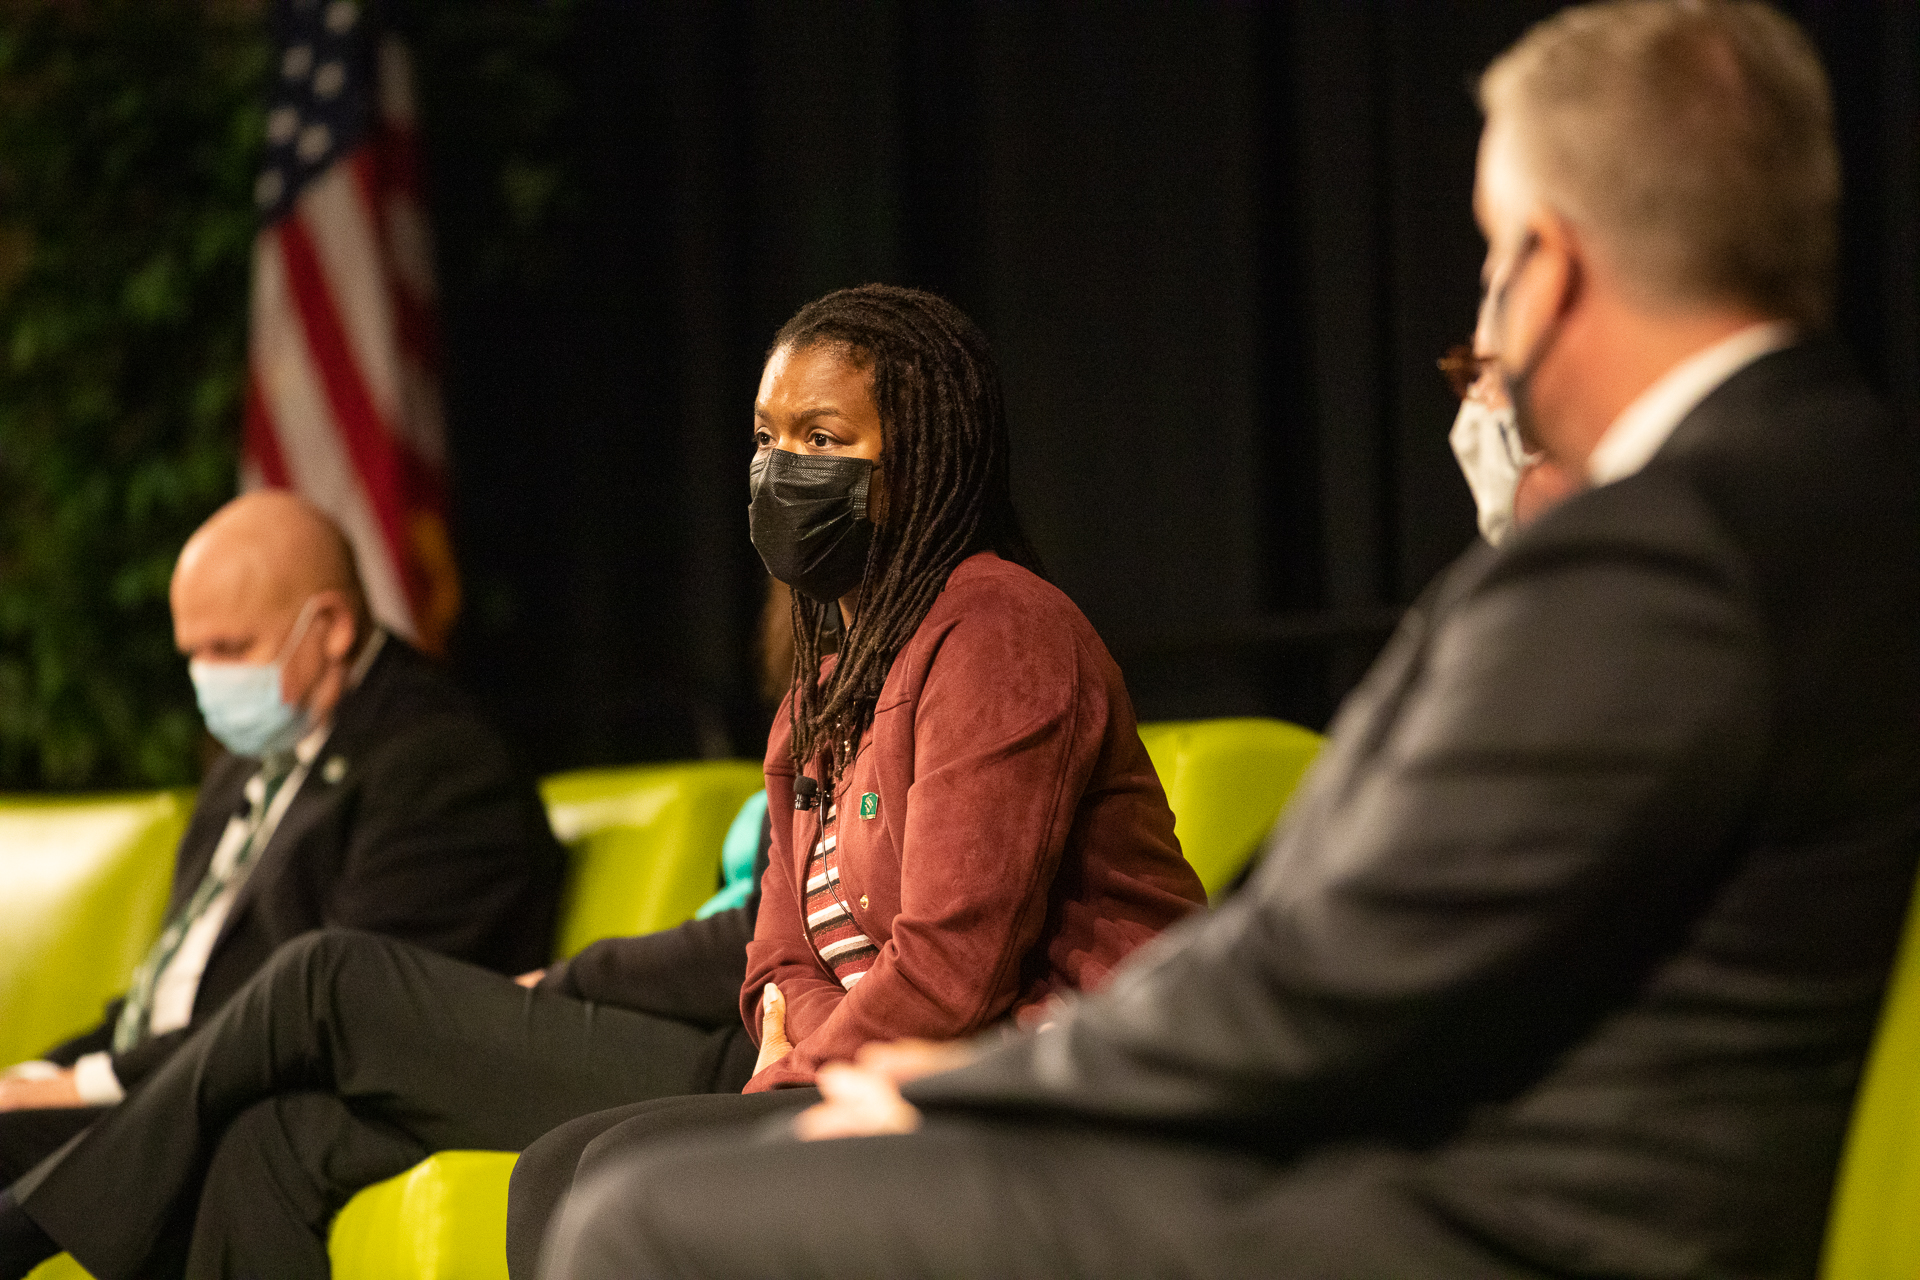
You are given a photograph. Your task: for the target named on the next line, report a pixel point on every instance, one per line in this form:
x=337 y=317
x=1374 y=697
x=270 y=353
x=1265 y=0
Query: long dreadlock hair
x=944 y=471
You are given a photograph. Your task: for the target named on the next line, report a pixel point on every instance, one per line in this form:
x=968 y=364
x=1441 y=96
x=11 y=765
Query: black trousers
x=996 y=1198
x=348 y=1058
x=545 y=1172
x=28 y=1137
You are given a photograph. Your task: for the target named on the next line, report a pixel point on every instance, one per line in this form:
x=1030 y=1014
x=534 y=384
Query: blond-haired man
x=1566 y=958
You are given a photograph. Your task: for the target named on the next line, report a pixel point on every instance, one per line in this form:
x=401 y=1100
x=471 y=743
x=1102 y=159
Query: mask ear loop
x=292 y=642
x=1516 y=448
x=299 y=632
x=863 y=491
x=1516 y=383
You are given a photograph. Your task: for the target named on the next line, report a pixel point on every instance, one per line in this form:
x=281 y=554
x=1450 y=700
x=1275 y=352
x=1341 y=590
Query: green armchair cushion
x=1873 y=1229
x=86 y=881
x=643 y=843
x=1226 y=782
x=443 y=1219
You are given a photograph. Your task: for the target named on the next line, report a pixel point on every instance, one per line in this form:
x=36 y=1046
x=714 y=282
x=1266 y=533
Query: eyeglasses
x=1463 y=367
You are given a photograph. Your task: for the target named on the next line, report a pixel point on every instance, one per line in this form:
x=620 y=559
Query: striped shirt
x=830 y=926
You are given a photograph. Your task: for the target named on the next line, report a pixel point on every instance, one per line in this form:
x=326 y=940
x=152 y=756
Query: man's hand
x=860 y=1102
x=773 y=1029
x=864 y=1099
x=903 y=1060
x=36 y=1092
x=531 y=979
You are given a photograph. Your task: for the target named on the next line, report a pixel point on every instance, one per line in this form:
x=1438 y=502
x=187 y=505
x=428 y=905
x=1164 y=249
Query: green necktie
x=138 y=1008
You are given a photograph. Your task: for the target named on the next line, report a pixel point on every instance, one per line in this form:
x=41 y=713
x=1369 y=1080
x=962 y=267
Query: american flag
x=343 y=400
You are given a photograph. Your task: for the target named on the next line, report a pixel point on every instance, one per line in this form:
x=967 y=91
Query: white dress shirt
x=1636 y=435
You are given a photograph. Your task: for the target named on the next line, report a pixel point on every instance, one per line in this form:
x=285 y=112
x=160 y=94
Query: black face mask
x=808 y=519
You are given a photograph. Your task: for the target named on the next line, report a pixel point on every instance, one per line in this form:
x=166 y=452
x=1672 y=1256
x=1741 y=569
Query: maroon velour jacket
x=1020 y=843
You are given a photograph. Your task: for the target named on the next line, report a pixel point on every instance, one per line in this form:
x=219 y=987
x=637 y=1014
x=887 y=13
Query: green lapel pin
x=870 y=804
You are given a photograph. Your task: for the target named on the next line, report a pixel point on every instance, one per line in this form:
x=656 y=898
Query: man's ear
x=340 y=630
x=1562 y=253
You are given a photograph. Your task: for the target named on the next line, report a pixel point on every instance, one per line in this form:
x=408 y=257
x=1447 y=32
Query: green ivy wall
x=129 y=139
x=127 y=148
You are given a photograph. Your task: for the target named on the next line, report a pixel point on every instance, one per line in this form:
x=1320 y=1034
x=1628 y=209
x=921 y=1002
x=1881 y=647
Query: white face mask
x=1486 y=443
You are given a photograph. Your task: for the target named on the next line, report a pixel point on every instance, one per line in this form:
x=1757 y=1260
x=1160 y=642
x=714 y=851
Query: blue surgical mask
x=241 y=702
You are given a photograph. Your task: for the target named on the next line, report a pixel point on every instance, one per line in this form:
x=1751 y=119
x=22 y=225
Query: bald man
x=357 y=789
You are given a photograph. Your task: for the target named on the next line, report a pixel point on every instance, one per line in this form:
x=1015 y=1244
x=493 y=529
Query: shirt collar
x=1643 y=426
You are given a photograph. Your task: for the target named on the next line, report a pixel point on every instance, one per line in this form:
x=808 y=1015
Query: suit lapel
x=1369 y=713
x=1373 y=707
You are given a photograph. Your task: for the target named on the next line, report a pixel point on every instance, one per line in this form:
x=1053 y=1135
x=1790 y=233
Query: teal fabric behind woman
x=737 y=855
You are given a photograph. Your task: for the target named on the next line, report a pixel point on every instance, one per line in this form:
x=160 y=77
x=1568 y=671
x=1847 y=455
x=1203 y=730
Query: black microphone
x=806 y=792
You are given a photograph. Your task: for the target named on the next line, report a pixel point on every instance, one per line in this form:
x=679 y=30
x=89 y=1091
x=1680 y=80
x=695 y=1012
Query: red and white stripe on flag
x=343 y=400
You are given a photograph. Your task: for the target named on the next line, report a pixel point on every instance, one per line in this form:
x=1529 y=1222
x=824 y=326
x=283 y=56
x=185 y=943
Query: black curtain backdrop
x=1217 y=248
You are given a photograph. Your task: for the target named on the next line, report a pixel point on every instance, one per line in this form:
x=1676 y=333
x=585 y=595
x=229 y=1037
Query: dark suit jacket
x=1590 y=901
x=430 y=834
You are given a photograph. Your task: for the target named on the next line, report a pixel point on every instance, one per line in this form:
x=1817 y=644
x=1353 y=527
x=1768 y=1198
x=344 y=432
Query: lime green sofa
x=644 y=845
x=445 y=1219
x=1226 y=782
x=86 y=881
x=83 y=883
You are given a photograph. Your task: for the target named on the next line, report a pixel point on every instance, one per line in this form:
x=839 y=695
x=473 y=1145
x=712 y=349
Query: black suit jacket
x=1589 y=903
x=425 y=830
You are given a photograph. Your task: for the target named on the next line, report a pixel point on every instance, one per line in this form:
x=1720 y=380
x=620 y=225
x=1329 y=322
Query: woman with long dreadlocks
x=965 y=820
x=975 y=823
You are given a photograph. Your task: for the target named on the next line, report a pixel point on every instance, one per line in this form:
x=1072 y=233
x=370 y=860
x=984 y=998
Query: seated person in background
x=1568 y=955
x=694 y=973
x=998 y=836
x=358 y=788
